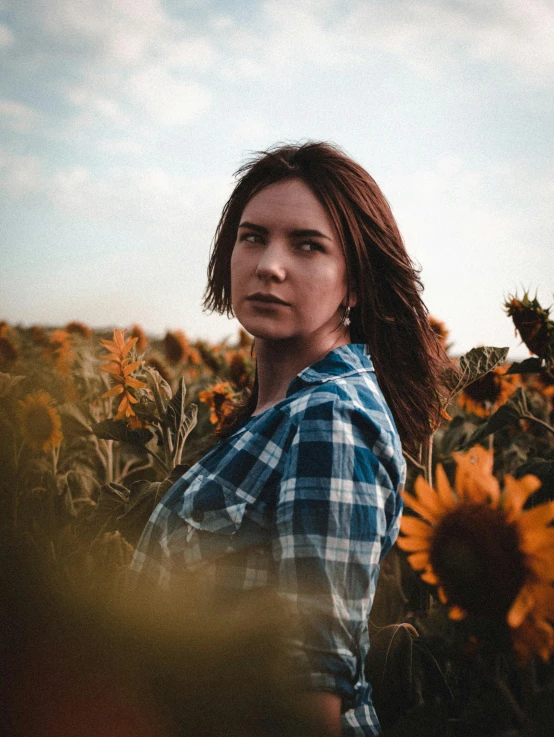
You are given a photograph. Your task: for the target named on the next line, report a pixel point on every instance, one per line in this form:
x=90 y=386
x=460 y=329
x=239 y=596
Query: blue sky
x=122 y=122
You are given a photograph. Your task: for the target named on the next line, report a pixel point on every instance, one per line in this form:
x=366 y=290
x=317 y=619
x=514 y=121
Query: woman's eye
x=250 y=237
x=309 y=246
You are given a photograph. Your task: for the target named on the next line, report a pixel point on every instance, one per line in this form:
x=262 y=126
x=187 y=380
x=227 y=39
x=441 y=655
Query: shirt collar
x=346 y=360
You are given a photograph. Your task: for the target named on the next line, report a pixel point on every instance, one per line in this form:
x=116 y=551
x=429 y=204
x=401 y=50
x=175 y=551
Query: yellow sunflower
x=40 y=422
x=220 y=398
x=488 y=557
x=440 y=330
x=120 y=366
x=485 y=395
x=176 y=346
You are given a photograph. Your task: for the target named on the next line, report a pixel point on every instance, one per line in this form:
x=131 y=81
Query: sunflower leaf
x=508 y=414
x=472 y=365
x=529 y=366
x=7 y=383
x=73 y=419
x=119 y=430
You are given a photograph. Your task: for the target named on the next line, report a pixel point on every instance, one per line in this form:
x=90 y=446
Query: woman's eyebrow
x=302 y=233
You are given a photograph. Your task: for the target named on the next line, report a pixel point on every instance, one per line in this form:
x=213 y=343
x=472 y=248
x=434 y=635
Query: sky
x=123 y=121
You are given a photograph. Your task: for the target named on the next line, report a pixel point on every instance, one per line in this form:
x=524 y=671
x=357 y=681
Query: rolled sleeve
x=335 y=512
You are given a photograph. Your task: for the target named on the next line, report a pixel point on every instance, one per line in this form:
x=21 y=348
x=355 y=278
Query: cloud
x=16 y=115
x=6 y=36
x=20 y=175
x=169 y=100
x=427 y=35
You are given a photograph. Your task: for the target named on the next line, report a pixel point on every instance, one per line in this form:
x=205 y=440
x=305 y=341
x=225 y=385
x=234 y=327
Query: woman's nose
x=271 y=265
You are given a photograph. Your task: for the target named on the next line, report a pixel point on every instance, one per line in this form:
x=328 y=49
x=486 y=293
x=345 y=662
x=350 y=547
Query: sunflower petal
x=418 y=507
x=520 y=608
x=456 y=613
x=444 y=489
x=413 y=526
x=428 y=498
x=429 y=577
x=412 y=543
x=517 y=491
x=541 y=515
x=419 y=560
x=542 y=565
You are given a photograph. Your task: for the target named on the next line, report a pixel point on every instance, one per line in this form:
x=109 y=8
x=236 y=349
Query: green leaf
x=8 y=382
x=119 y=430
x=74 y=421
x=508 y=414
x=176 y=408
x=472 y=365
x=529 y=366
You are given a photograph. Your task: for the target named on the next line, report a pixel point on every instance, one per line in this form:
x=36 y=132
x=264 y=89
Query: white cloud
x=6 y=36
x=16 y=115
x=425 y=34
x=126 y=146
x=20 y=175
x=169 y=101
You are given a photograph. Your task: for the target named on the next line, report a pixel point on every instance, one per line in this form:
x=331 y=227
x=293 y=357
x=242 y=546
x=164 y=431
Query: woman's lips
x=269 y=299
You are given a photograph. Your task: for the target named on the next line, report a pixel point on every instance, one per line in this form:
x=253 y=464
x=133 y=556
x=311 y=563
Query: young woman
x=302 y=492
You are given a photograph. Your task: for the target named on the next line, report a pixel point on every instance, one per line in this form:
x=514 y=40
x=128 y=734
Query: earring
x=346 y=317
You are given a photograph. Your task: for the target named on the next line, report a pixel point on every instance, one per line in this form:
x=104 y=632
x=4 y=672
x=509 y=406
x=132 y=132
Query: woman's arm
x=326 y=711
x=334 y=517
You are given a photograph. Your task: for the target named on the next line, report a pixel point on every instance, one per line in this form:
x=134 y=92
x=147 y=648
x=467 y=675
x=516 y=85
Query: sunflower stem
x=539 y=422
x=157 y=458
x=430 y=459
x=413 y=460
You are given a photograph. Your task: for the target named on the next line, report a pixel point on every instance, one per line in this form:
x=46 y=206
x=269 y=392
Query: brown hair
x=389 y=316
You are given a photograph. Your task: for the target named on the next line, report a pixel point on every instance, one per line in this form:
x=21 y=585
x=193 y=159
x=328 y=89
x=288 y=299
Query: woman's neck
x=278 y=362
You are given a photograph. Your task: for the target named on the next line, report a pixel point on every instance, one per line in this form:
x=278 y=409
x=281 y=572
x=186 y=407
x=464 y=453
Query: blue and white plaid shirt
x=303 y=497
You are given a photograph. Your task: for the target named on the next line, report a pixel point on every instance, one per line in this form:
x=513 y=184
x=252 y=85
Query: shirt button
x=197 y=515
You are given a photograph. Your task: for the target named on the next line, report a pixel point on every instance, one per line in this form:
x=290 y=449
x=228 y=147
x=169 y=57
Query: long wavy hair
x=389 y=317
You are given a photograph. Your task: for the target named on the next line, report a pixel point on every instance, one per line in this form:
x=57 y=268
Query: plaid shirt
x=302 y=497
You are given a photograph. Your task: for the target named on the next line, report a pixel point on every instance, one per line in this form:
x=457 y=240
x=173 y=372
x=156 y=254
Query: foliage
x=125 y=425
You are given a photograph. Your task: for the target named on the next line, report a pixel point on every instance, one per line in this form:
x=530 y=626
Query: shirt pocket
x=211 y=506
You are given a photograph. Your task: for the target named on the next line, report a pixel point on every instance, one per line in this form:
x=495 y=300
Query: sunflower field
x=96 y=426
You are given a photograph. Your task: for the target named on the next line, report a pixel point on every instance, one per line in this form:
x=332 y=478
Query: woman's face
x=287 y=249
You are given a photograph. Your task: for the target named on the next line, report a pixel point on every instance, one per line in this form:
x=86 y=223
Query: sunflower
x=485 y=395
x=489 y=558
x=142 y=341
x=534 y=325
x=220 y=398
x=239 y=368
x=40 y=422
x=440 y=330
x=8 y=352
x=120 y=366
x=78 y=328
x=176 y=346
x=61 y=349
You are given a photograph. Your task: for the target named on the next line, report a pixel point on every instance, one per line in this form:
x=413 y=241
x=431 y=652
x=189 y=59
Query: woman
x=302 y=492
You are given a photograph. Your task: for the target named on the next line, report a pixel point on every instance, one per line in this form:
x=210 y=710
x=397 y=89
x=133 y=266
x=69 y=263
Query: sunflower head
x=239 y=371
x=440 y=330
x=533 y=323
x=8 y=353
x=492 y=562
x=485 y=395
x=78 y=328
x=142 y=341
x=40 y=422
x=221 y=400
x=176 y=346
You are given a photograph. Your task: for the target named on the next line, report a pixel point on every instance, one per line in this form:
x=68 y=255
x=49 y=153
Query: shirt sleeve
x=337 y=515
